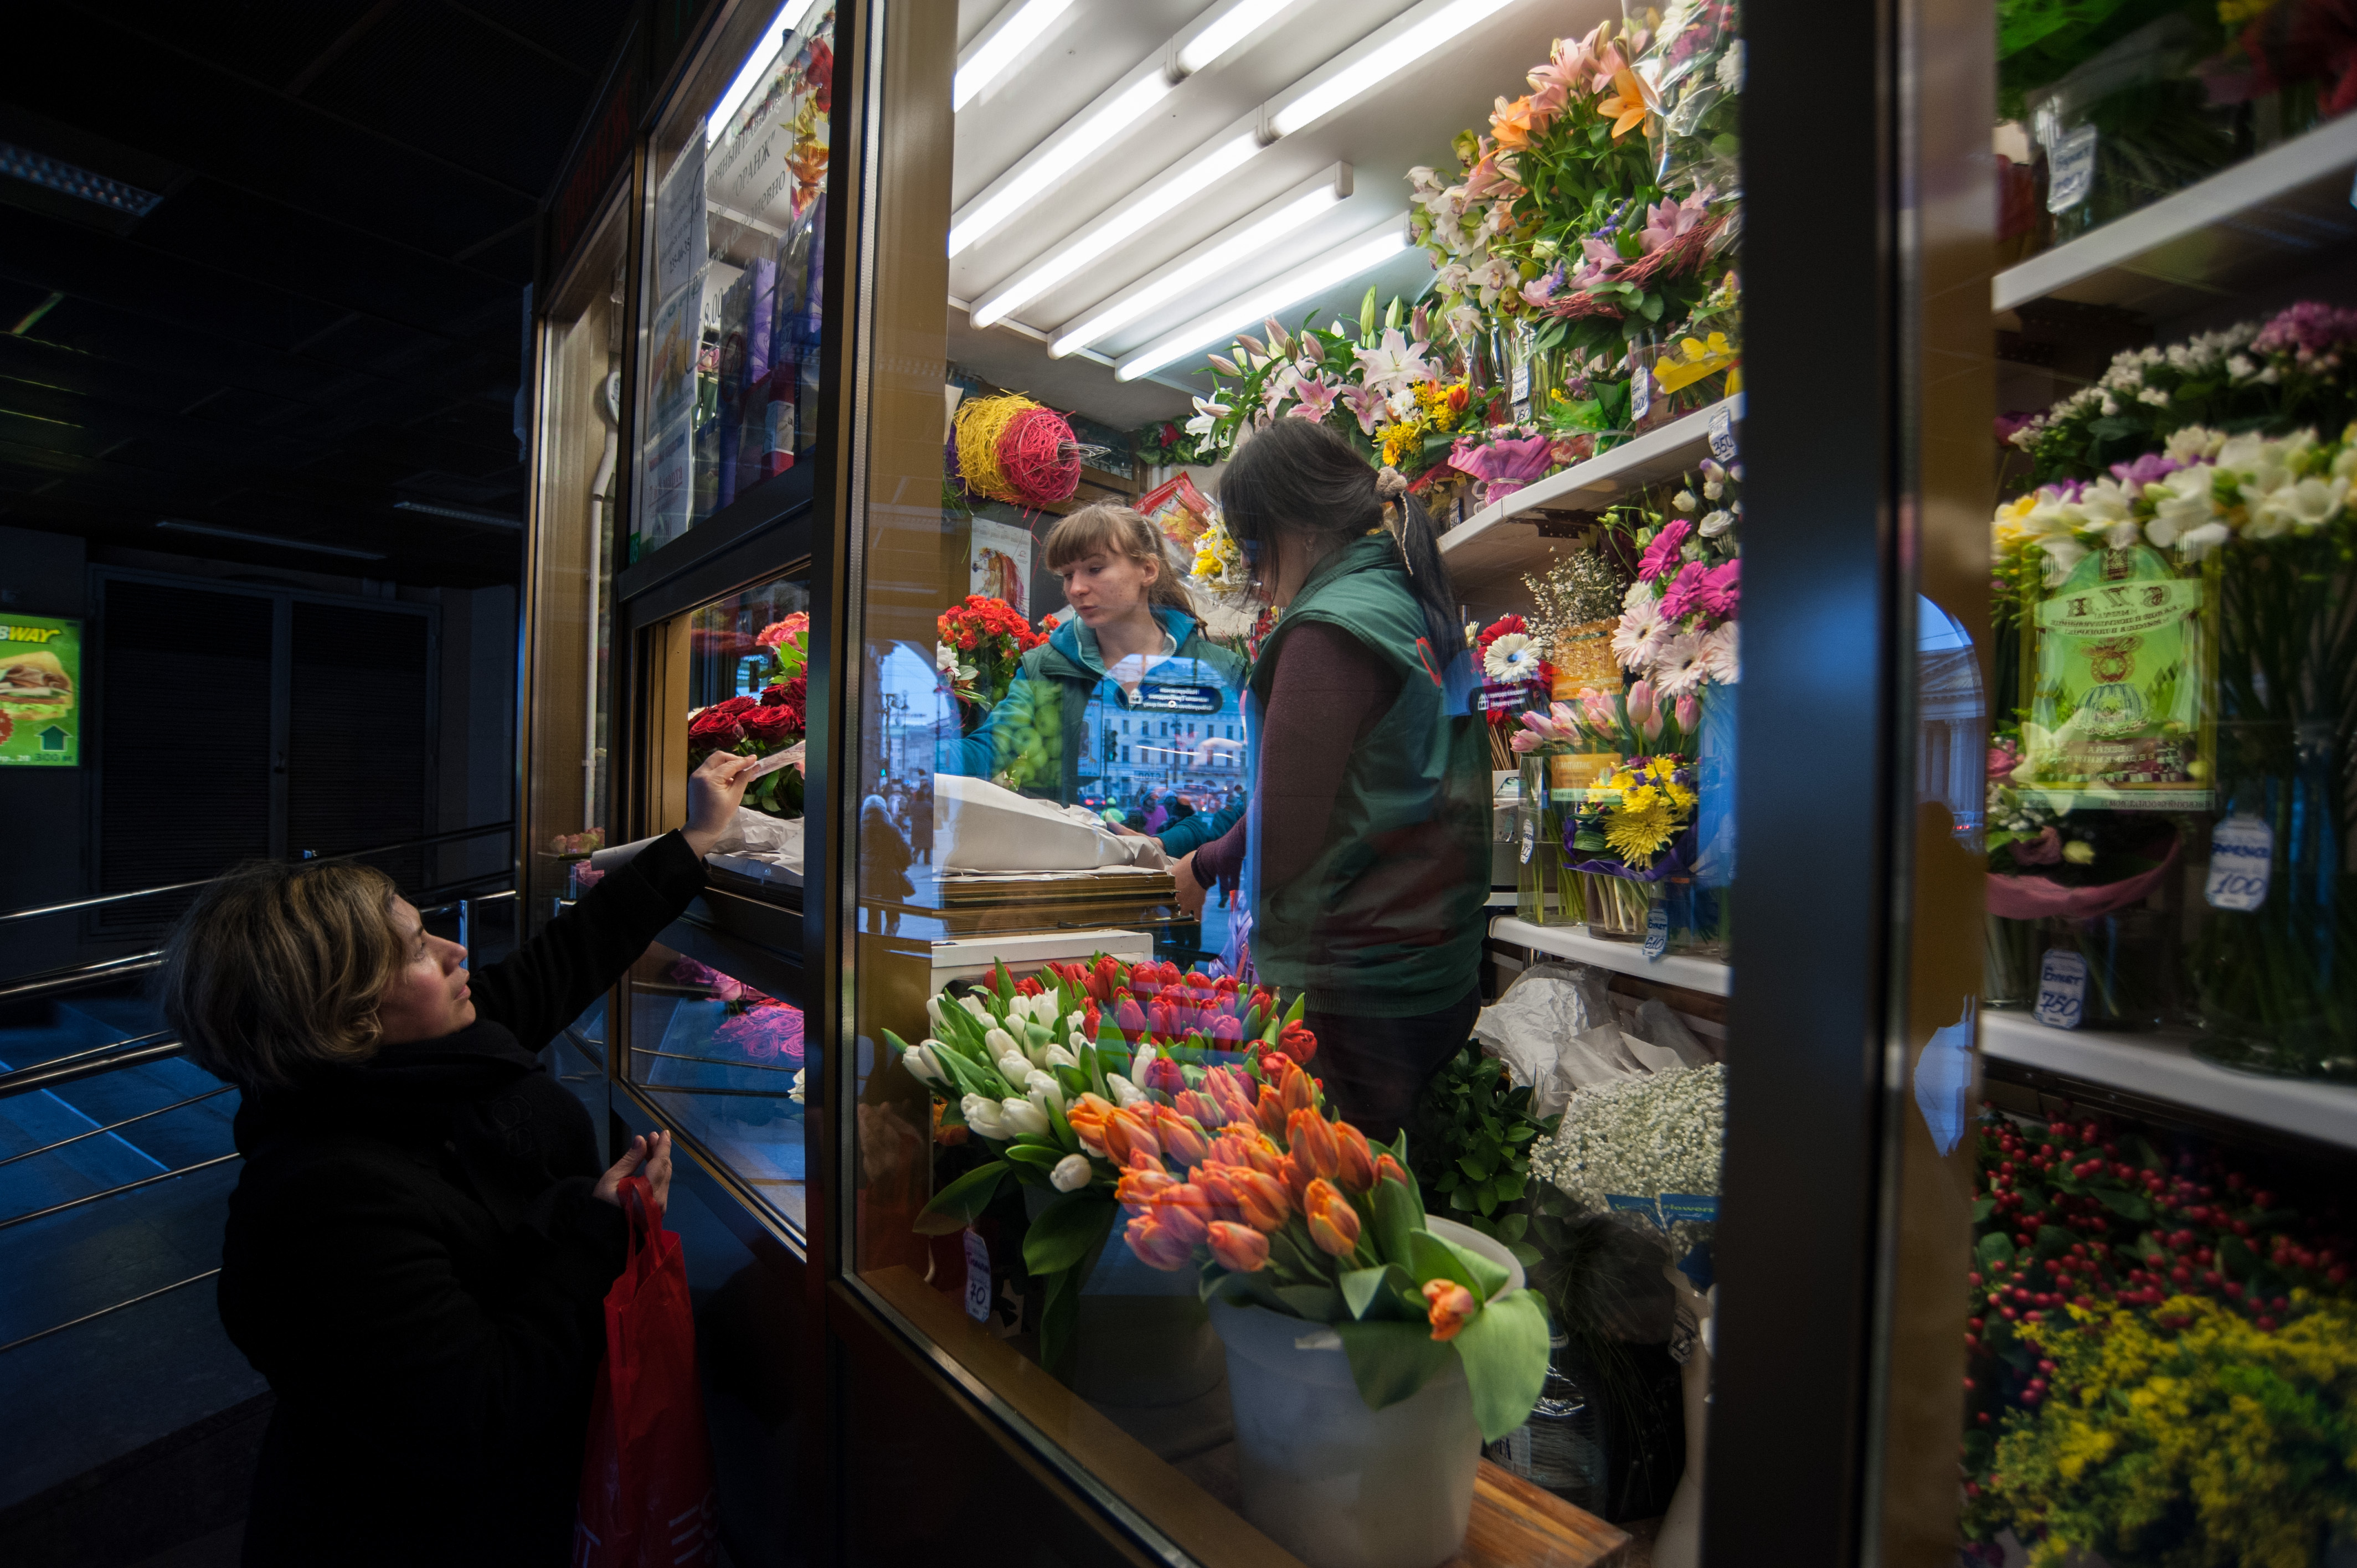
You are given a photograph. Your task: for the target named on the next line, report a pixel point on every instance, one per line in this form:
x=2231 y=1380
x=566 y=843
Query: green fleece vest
x=1387 y=921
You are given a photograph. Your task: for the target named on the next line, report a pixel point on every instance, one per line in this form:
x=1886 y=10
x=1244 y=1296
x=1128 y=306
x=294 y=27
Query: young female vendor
x=1364 y=852
x=1132 y=637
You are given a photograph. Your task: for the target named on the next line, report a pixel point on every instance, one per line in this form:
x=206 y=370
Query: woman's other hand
x=1190 y=891
x=654 y=1157
x=713 y=793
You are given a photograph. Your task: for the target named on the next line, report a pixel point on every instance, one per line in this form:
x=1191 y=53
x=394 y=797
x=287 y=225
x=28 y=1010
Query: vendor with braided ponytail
x=1365 y=849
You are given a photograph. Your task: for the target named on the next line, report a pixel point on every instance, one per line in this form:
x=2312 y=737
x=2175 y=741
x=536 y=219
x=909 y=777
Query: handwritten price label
x=2062 y=989
x=977 y=1277
x=2242 y=858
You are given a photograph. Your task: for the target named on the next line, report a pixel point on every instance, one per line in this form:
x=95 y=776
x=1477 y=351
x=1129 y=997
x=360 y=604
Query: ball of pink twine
x=1041 y=457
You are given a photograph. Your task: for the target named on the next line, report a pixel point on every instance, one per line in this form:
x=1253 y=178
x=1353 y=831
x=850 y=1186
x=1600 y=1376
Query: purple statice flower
x=1683 y=597
x=1663 y=554
x=2309 y=327
x=2147 y=470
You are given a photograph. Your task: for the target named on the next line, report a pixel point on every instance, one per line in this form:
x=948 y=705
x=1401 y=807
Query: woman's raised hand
x=654 y=1156
x=713 y=793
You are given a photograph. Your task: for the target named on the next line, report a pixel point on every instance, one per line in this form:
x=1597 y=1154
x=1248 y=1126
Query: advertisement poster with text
x=40 y=692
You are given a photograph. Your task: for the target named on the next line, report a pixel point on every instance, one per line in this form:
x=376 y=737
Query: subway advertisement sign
x=40 y=692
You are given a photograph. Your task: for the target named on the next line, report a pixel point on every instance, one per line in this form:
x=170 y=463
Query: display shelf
x=1708 y=975
x=1502 y=541
x=2163 y=1068
x=2273 y=214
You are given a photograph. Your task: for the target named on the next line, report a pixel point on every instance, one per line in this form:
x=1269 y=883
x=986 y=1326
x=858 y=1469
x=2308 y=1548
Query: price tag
x=1530 y=840
x=2070 y=168
x=2241 y=857
x=1640 y=395
x=2062 y=989
x=1521 y=392
x=977 y=1277
x=1696 y=1206
x=1657 y=932
x=1722 y=434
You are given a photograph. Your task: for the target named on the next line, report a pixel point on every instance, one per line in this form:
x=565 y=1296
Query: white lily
x=1022 y=1119
x=1072 y=1173
x=982 y=1115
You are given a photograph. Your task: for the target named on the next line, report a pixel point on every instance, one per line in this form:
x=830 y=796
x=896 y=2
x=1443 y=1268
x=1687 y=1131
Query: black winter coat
x=416 y=1262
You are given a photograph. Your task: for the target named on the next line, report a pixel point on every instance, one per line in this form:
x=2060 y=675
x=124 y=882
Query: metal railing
x=427 y=842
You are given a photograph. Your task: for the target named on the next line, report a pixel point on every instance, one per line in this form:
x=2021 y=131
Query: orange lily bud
x=1138 y=1189
x=1310 y=1137
x=1388 y=1169
x=1181 y=1139
x=1155 y=1246
x=1125 y=1130
x=1357 y=1172
x=1333 y=1223
x=1449 y=1305
x=1238 y=1247
x=1299 y=1090
x=1260 y=1200
x=1269 y=1112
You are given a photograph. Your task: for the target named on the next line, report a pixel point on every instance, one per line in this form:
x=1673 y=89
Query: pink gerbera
x=1663 y=554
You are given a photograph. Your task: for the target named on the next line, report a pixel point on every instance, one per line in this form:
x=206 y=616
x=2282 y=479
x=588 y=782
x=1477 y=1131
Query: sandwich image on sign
x=34 y=685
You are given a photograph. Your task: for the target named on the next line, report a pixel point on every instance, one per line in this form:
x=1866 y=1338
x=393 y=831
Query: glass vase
x=2130 y=958
x=1546 y=892
x=1618 y=906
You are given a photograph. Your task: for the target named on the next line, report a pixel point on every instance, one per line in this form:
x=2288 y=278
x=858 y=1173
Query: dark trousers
x=1374 y=1070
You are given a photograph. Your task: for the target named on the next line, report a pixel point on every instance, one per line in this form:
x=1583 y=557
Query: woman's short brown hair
x=276 y=967
x=1117 y=530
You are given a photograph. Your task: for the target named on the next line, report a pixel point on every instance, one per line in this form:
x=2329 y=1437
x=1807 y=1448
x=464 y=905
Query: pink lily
x=1317 y=396
x=1277 y=338
x=1367 y=404
x=1666 y=220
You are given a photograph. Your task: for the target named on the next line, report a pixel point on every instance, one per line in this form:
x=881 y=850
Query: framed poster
x=40 y=692
x=998 y=564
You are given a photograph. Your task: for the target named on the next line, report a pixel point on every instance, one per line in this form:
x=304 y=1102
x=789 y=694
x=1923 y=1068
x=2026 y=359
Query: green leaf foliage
x=954 y=1206
x=1390 y=1362
x=1066 y=1229
x=1504 y=1349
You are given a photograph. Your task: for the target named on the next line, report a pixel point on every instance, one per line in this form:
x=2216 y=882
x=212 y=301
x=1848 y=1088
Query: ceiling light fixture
x=757 y=67
x=1166 y=193
x=1231 y=247
x=1311 y=278
x=71 y=179
x=178 y=527
x=1086 y=135
x=994 y=50
x=463 y=514
x=1412 y=39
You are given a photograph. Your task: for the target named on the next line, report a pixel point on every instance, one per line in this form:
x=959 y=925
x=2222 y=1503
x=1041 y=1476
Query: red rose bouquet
x=758 y=726
x=991 y=636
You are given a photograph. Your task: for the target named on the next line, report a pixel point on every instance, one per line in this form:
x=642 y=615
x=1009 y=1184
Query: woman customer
x=421 y=1241
x=1132 y=641
x=1365 y=851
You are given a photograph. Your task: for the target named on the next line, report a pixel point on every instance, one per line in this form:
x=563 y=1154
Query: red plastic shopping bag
x=646 y=1476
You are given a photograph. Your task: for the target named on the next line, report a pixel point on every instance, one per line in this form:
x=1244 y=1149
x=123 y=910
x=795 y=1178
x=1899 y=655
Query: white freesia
x=1072 y=1173
x=2194 y=443
x=2303 y=504
x=2122 y=534
x=1125 y=1093
x=1022 y=1119
x=2062 y=554
x=1042 y=1089
x=2198 y=543
x=982 y=1114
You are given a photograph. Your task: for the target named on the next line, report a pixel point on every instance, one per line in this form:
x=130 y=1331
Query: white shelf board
x=2261 y=217
x=2163 y=1067
x=1502 y=540
x=1708 y=975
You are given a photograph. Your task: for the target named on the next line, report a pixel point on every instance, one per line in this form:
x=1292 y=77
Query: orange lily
x=1333 y=1223
x=1449 y=1306
x=1512 y=122
x=1630 y=102
x=1238 y=1247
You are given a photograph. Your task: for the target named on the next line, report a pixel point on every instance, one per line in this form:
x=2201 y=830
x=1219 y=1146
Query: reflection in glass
x=725 y=1063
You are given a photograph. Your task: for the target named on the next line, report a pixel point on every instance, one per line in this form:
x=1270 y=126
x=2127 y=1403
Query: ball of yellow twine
x=980 y=424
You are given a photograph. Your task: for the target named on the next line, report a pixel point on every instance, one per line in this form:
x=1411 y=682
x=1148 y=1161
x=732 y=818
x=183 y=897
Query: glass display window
x=569 y=806
x=733 y=292
x=1170 y=1129
x=722 y=1063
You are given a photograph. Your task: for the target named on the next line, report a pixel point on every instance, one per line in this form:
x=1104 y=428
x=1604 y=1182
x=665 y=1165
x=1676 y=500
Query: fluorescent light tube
x=178 y=527
x=1313 y=277
x=71 y=179
x=1163 y=196
x=463 y=514
x=1236 y=24
x=1233 y=247
x=1411 y=40
x=756 y=66
x=1011 y=32
x=1046 y=165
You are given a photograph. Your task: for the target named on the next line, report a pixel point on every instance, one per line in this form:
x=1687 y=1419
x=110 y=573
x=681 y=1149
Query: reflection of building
x=1129 y=749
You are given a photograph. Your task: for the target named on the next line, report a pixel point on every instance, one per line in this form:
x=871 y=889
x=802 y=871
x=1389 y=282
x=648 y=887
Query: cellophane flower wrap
x=1061 y=1076
x=775 y=720
x=2160 y=1355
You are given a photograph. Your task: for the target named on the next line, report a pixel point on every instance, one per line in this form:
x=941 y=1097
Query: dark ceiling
x=324 y=314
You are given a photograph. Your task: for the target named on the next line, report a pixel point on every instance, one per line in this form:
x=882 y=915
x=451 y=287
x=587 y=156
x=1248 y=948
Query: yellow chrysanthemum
x=1402 y=439
x=1636 y=834
x=1681 y=797
x=1640 y=798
